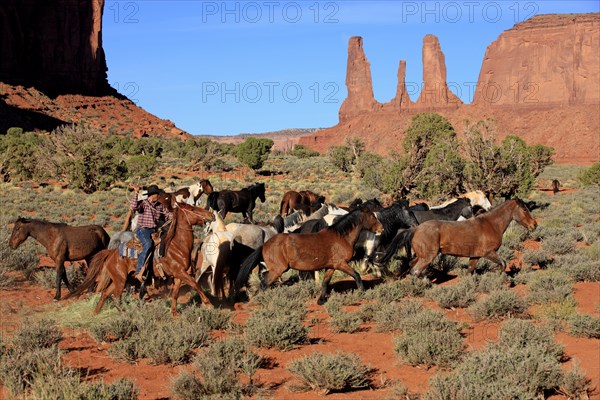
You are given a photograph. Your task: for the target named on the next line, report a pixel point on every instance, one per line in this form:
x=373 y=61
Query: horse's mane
x=293 y=218
x=347 y=222
x=258 y=187
x=172 y=228
x=320 y=213
x=390 y=218
x=27 y=220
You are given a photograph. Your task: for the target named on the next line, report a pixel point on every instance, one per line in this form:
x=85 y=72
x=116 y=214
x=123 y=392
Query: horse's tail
x=105 y=238
x=247 y=267
x=211 y=202
x=402 y=238
x=95 y=267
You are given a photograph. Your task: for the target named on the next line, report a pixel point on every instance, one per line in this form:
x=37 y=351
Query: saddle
x=133 y=247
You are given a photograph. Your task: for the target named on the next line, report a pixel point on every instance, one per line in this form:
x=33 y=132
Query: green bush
x=590 y=176
x=253 y=152
x=397 y=290
x=19 y=155
x=389 y=317
x=548 y=286
x=331 y=372
x=37 y=335
x=302 y=151
x=20 y=367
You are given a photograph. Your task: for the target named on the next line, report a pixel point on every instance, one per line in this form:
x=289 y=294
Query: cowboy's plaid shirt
x=149 y=213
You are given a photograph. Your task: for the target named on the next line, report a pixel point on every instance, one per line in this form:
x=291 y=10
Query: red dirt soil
x=374 y=348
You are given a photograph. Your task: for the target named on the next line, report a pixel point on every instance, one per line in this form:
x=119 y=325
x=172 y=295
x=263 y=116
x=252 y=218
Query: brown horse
x=62 y=242
x=555 y=186
x=474 y=238
x=303 y=200
x=176 y=261
x=329 y=249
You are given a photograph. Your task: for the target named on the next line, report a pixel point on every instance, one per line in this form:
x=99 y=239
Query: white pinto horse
x=476 y=197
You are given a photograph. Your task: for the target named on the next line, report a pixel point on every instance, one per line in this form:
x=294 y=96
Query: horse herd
x=307 y=235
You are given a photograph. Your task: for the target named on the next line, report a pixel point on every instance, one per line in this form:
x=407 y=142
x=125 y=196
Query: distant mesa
x=539 y=80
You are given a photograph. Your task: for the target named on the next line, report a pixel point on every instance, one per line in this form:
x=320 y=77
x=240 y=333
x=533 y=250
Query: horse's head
x=523 y=216
x=20 y=232
x=168 y=200
x=196 y=215
x=371 y=221
x=478 y=198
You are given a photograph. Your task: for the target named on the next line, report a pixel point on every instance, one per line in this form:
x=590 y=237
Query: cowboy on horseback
x=152 y=215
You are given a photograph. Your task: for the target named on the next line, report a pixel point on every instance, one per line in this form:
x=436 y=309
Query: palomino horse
x=62 y=242
x=304 y=200
x=191 y=194
x=329 y=249
x=474 y=238
x=240 y=201
x=476 y=197
x=176 y=261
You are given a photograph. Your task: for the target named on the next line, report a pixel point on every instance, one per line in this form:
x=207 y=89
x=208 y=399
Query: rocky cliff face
x=358 y=81
x=435 y=93
x=539 y=80
x=55 y=46
x=548 y=59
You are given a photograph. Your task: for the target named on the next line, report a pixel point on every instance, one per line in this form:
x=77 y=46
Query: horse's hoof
x=321 y=301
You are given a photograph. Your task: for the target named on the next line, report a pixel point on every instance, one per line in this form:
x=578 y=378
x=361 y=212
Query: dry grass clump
x=326 y=373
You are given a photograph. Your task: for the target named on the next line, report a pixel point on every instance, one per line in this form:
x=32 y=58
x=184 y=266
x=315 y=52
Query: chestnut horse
x=329 y=249
x=304 y=200
x=62 y=242
x=176 y=261
x=475 y=238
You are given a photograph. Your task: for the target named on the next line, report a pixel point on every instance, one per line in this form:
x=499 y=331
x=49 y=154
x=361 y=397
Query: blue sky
x=224 y=68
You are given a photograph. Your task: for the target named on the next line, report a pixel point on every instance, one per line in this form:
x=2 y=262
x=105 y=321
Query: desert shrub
x=142 y=165
x=187 y=386
x=487 y=283
x=518 y=333
x=218 y=367
x=539 y=257
x=20 y=367
x=46 y=277
x=291 y=298
x=461 y=294
x=521 y=365
x=121 y=389
x=397 y=290
x=590 y=176
x=499 y=304
x=429 y=339
x=113 y=329
x=389 y=316
x=559 y=241
x=302 y=151
x=582 y=325
x=22 y=259
x=548 y=286
x=210 y=318
x=276 y=328
x=337 y=300
x=556 y=311
x=331 y=372
x=575 y=385
x=37 y=335
x=81 y=155
x=19 y=155
x=348 y=322
x=342 y=157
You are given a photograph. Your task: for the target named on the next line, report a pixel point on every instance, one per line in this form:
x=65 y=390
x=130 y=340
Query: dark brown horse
x=329 y=249
x=304 y=200
x=474 y=238
x=239 y=201
x=176 y=261
x=62 y=242
x=555 y=186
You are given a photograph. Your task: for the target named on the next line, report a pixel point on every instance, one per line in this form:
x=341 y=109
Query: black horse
x=242 y=201
x=452 y=212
